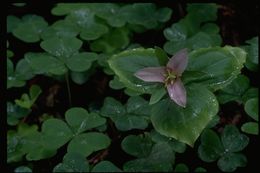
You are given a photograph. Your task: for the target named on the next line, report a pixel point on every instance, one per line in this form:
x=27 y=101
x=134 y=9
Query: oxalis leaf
x=185 y=124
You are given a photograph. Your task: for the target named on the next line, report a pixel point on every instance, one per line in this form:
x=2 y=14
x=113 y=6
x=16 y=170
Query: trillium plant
x=170 y=75
x=97 y=83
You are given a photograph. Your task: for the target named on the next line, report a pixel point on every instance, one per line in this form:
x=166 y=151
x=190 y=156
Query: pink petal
x=177 y=92
x=179 y=61
x=151 y=74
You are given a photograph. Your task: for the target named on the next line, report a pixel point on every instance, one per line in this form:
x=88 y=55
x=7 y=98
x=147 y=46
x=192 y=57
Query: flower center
x=170 y=77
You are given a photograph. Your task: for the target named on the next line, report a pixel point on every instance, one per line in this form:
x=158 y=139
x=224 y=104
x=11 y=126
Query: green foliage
x=224 y=150
x=252 y=54
x=17 y=76
x=201 y=107
x=194 y=31
x=105 y=166
x=22 y=169
x=14 y=113
x=131 y=116
x=30 y=28
x=181 y=167
x=72 y=162
x=251 y=108
x=26 y=100
x=234 y=91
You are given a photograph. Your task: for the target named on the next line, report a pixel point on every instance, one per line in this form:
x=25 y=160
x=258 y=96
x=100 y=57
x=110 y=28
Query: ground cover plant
x=131 y=87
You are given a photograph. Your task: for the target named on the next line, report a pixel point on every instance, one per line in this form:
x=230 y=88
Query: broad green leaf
x=65 y=8
x=12 y=23
x=250 y=128
x=23 y=169
x=176 y=146
x=234 y=91
x=60 y=28
x=138 y=146
x=201 y=107
x=211 y=147
x=81 y=62
x=72 y=162
x=44 y=63
x=252 y=92
x=251 y=108
x=88 y=143
x=105 y=166
x=233 y=140
x=213 y=122
x=157 y=95
x=181 y=167
x=56 y=132
x=80 y=120
x=131 y=92
x=126 y=63
x=34 y=92
x=230 y=162
x=30 y=28
x=160 y=159
x=214 y=67
x=61 y=47
x=210 y=28
x=161 y=55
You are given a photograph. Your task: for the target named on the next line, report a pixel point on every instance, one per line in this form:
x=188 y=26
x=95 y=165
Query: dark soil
x=237 y=23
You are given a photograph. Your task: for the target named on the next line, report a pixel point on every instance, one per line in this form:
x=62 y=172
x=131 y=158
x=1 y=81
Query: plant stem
x=68 y=87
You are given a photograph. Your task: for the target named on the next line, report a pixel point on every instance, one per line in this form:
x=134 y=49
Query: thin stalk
x=68 y=87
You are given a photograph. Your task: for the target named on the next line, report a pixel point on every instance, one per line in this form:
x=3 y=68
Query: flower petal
x=151 y=74
x=177 y=92
x=179 y=61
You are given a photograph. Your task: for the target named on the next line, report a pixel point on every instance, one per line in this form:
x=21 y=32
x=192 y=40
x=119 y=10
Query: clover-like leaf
x=56 y=132
x=157 y=95
x=72 y=162
x=211 y=147
x=116 y=84
x=160 y=159
x=30 y=28
x=201 y=107
x=112 y=108
x=81 y=62
x=250 y=128
x=26 y=100
x=105 y=166
x=87 y=143
x=44 y=63
x=252 y=56
x=232 y=140
x=12 y=23
x=176 y=146
x=116 y=39
x=61 y=47
x=80 y=120
x=14 y=113
x=251 y=108
x=252 y=92
x=138 y=146
x=234 y=91
x=231 y=161
x=60 y=28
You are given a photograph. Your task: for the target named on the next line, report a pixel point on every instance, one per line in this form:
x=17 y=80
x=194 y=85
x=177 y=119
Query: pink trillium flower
x=169 y=75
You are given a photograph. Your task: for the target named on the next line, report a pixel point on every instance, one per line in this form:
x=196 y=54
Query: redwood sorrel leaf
x=186 y=124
